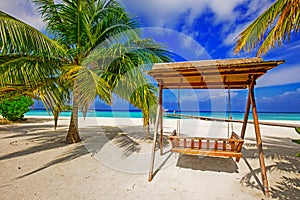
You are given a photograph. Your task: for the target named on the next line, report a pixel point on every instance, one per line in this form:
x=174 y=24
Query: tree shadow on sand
x=40 y=138
x=74 y=153
x=281 y=151
x=25 y=121
x=127 y=138
x=43 y=140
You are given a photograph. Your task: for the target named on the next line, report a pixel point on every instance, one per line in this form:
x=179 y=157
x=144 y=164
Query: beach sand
x=113 y=160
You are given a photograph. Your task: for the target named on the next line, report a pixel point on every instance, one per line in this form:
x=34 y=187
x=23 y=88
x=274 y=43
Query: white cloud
x=170 y=13
x=231 y=37
x=285 y=95
x=205 y=95
x=286 y=74
x=224 y=11
x=254 y=9
x=24 y=11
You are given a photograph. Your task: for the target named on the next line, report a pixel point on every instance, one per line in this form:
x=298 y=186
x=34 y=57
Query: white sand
x=113 y=161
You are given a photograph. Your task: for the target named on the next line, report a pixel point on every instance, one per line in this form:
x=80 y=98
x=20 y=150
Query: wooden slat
x=229 y=148
x=204 y=152
x=196 y=73
x=203 y=138
x=224 y=145
x=216 y=145
x=177 y=142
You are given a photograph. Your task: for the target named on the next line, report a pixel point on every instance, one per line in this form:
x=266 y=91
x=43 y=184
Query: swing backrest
x=238 y=145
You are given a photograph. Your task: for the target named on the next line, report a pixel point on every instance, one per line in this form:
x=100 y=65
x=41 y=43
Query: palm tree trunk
x=73 y=134
x=146 y=125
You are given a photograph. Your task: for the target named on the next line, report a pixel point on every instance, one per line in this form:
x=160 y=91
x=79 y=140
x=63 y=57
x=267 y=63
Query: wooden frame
x=213 y=74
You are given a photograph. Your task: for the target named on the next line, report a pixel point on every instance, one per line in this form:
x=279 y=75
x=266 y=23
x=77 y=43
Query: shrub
x=14 y=108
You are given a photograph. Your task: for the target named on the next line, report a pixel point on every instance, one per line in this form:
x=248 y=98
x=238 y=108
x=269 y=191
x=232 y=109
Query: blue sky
x=204 y=29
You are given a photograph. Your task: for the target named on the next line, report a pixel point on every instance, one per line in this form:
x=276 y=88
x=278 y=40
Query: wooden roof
x=209 y=74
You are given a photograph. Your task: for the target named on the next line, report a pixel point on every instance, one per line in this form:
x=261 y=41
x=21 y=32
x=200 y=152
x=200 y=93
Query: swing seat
x=214 y=147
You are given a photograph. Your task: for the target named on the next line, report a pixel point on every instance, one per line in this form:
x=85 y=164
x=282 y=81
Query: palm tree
x=29 y=62
x=104 y=51
x=271 y=28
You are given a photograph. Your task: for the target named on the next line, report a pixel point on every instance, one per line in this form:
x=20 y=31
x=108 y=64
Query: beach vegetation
x=14 y=108
x=272 y=28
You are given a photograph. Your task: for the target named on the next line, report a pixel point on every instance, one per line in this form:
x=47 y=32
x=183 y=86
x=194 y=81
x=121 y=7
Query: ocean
x=283 y=116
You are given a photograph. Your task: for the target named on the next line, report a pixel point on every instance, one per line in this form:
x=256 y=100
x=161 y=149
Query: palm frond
x=88 y=84
x=17 y=37
x=271 y=28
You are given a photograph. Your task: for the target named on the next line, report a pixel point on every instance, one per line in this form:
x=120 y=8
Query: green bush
x=14 y=108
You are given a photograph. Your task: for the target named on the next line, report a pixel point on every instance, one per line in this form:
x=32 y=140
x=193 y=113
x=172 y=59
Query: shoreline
x=284 y=123
x=289 y=116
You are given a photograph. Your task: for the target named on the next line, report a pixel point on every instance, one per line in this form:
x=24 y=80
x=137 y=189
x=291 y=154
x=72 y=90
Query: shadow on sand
x=281 y=151
x=205 y=163
x=40 y=138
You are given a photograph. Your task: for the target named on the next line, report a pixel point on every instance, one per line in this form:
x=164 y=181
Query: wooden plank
x=204 y=138
x=212 y=153
x=177 y=142
x=220 y=84
x=224 y=145
x=195 y=73
x=216 y=145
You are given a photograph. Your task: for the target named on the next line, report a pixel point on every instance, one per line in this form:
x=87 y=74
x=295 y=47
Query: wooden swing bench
x=214 y=147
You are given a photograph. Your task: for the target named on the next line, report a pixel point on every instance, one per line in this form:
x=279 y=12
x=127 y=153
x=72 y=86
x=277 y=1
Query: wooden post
x=245 y=121
x=259 y=142
x=150 y=177
x=160 y=100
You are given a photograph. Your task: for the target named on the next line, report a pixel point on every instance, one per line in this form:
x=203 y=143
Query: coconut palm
x=104 y=51
x=271 y=28
x=29 y=62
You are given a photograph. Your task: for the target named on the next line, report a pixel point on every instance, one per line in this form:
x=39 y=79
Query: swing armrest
x=174 y=133
x=234 y=136
x=239 y=144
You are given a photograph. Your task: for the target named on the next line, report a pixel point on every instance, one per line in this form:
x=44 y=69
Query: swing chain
x=230 y=123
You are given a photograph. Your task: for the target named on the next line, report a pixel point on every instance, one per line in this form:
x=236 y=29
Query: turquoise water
x=240 y=116
x=138 y=114
x=118 y=114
